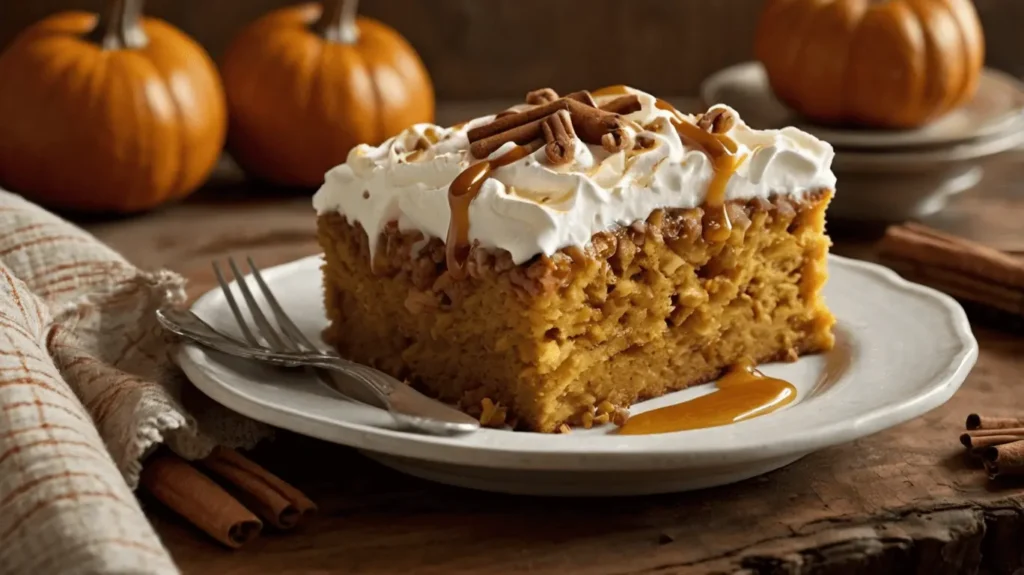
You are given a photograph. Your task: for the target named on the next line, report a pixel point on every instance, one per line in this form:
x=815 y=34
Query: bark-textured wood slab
x=902 y=501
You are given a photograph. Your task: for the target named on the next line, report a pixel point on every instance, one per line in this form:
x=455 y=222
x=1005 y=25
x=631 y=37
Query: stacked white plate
x=892 y=175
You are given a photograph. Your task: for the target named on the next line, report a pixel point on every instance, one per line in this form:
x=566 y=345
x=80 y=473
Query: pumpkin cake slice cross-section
x=549 y=266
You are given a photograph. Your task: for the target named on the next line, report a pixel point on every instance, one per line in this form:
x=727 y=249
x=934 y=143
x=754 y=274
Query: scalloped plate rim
x=559 y=453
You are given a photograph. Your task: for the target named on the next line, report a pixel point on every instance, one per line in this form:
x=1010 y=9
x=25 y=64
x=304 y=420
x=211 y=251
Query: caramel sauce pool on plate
x=743 y=393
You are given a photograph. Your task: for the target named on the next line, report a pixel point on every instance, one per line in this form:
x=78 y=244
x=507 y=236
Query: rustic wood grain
x=901 y=501
x=483 y=49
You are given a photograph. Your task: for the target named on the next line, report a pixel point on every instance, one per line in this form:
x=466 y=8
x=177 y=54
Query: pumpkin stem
x=118 y=27
x=337 y=22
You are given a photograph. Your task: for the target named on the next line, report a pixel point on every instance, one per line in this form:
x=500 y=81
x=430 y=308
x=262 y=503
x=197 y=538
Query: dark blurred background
x=495 y=48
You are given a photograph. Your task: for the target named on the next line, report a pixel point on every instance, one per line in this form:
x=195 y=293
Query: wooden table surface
x=899 y=501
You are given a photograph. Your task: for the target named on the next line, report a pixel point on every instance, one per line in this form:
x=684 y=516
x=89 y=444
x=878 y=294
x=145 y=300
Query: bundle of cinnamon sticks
x=559 y=120
x=998 y=442
x=233 y=508
x=959 y=267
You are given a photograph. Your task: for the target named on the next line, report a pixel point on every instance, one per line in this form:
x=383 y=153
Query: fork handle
x=381 y=387
x=407 y=405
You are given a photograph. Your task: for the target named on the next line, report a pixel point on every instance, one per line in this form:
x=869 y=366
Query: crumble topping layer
x=534 y=206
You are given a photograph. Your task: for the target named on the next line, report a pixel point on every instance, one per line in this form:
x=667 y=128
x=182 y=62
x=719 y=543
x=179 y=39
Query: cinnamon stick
x=522 y=134
x=583 y=97
x=541 y=96
x=963 y=264
x=618 y=140
x=505 y=123
x=965 y=287
x=1007 y=459
x=976 y=421
x=595 y=126
x=277 y=502
x=196 y=497
x=592 y=124
x=516 y=120
x=1002 y=431
x=975 y=441
x=623 y=105
x=560 y=138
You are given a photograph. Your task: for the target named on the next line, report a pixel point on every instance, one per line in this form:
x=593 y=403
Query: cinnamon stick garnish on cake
x=583 y=97
x=596 y=126
x=623 y=105
x=559 y=137
x=592 y=124
x=960 y=267
x=511 y=121
x=541 y=96
x=277 y=502
x=196 y=497
x=521 y=134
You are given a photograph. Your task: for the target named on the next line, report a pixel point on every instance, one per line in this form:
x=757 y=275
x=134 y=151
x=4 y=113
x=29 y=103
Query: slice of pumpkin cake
x=552 y=264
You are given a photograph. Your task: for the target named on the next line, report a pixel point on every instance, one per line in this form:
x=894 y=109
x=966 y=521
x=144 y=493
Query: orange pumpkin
x=115 y=114
x=307 y=83
x=886 y=64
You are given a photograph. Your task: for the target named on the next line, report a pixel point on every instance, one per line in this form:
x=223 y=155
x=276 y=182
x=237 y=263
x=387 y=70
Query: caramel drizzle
x=622 y=90
x=553 y=121
x=463 y=189
x=721 y=149
x=613 y=90
x=743 y=393
x=663 y=105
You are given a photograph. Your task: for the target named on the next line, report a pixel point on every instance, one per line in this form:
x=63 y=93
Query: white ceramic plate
x=998 y=103
x=903 y=349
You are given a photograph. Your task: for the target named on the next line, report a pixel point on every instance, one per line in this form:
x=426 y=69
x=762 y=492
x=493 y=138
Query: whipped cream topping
x=531 y=207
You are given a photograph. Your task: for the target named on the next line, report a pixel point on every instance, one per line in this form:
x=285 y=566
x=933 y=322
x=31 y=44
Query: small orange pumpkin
x=307 y=83
x=115 y=114
x=885 y=64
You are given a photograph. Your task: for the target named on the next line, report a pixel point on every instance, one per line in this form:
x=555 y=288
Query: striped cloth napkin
x=87 y=390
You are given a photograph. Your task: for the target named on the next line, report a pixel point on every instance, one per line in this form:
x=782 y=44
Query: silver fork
x=290 y=347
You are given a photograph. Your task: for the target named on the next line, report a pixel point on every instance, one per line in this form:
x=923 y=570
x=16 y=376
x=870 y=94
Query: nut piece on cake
x=576 y=254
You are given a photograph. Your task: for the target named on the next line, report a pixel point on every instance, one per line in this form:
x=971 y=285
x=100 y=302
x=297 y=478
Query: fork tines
x=290 y=337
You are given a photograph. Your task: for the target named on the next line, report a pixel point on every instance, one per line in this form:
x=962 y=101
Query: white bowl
x=896 y=186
